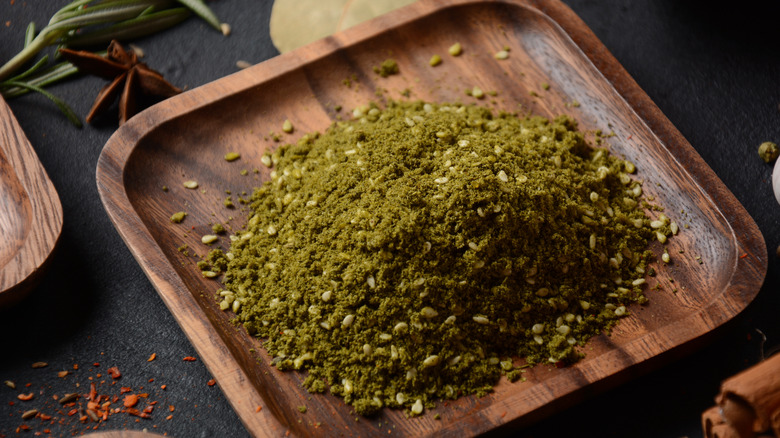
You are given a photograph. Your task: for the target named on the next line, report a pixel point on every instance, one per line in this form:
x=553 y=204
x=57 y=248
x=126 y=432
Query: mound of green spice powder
x=409 y=255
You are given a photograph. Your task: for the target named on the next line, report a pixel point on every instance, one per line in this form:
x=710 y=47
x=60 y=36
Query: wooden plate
x=186 y=137
x=30 y=212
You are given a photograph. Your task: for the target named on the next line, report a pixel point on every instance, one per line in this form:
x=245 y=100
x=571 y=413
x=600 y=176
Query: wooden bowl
x=186 y=138
x=30 y=212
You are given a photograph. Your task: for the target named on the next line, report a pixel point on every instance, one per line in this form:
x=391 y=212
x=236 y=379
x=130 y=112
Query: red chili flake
x=75 y=366
x=503 y=414
x=211 y=382
x=25 y=397
x=164 y=387
x=189 y=359
x=63 y=373
x=153 y=403
x=171 y=408
x=27 y=385
x=92 y=391
x=560 y=364
x=169 y=417
x=24 y=427
x=258 y=409
x=130 y=400
x=137 y=413
x=10 y=403
x=73 y=412
x=124 y=389
x=151 y=380
x=629 y=137
x=47 y=431
x=114 y=372
x=152 y=357
x=743 y=256
x=97 y=364
x=143 y=394
x=148 y=409
x=45 y=417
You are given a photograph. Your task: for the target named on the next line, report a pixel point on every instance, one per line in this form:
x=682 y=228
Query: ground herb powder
x=408 y=256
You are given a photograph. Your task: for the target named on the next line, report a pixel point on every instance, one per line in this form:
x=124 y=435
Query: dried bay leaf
x=295 y=23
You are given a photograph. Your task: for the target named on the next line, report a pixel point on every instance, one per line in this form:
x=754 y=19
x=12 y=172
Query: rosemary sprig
x=89 y=23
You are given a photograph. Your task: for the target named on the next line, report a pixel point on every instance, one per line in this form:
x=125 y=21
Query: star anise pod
x=126 y=74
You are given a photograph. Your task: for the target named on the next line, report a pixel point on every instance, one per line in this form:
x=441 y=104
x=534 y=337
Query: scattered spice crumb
x=211 y=382
x=62 y=373
x=114 y=373
x=39 y=365
x=176 y=218
x=455 y=49
x=545 y=86
x=25 y=397
x=287 y=126
x=10 y=384
x=130 y=400
x=189 y=359
x=387 y=68
x=191 y=184
x=258 y=409
x=243 y=64
x=302 y=409
x=435 y=60
x=232 y=156
x=502 y=54
x=768 y=151
x=152 y=357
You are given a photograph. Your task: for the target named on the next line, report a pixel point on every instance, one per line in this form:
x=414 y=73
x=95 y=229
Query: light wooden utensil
x=30 y=212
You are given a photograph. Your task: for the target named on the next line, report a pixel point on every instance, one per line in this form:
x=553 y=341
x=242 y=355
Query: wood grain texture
x=30 y=212
x=186 y=137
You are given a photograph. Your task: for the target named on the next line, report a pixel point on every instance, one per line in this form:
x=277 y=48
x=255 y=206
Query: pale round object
x=295 y=23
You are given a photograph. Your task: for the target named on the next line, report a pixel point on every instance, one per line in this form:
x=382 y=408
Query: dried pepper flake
x=137 y=413
x=25 y=397
x=189 y=359
x=211 y=382
x=130 y=400
x=39 y=364
x=152 y=357
x=62 y=373
x=114 y=372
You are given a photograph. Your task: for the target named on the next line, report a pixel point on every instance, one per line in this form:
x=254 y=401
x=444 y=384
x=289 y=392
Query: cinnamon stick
x=750 y=400
x=709 y=419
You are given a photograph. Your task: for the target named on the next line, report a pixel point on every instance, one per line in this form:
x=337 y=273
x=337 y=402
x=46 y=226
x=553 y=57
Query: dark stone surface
x=712 y=68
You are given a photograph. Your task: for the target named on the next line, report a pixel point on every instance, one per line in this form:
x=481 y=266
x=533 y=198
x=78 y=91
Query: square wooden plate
x=186 y=137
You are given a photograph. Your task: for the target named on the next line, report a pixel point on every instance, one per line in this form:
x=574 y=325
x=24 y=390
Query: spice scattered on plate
x=448 y=240
x=455 y=49
x=176 y=218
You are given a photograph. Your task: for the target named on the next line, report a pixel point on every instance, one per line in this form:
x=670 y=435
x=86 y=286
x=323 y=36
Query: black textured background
x=712 y=67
